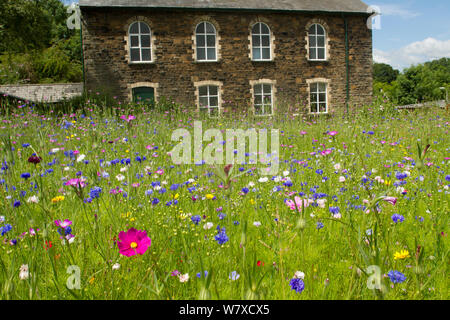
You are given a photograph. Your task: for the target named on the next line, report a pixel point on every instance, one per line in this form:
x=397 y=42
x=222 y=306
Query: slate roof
x=345 y=6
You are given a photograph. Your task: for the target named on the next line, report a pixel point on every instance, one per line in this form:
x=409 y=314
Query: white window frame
x=140 y=47
x=316 y=47
x=209 y=84
x=260 y=35
x=318 y=101
x=206 y=47
x=272 y=84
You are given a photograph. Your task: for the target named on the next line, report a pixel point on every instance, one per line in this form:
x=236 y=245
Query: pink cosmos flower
x=332 y=133
x=133 y=242
x=63 y=224
x=326 y=152
x=127 y=119
x=76 y=183
x=303 y=132
x=298 y=203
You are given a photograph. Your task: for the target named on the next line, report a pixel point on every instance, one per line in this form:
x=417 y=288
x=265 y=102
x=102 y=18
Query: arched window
x=261 y=42
x=205 y=37
x=140 y=42
x=317 y=42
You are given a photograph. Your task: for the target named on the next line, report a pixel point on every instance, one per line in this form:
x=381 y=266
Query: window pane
x=135 y=55
x=265 y=41
x=203 y=110
x=322 y=87
x=258 y=89
x=267 y=89
x=256 y=41
x=134 y=41
x=146 y=56
x=200 y=41
x=312 y=53
x=134 y=28
x=322 y=97
x=264 y=29
x=266 y=53
x=201 y=54
x=203 y=91
x=321 y=53
x=312 y=29
x=203 y=101
x=214 y=102
x=200 y=28
x=256 y=29
x=211 y=41
x=258 y=99
x=313 y=97
x=313 y=87
x=258 y=109
x=256 y=54
x=144 y=28
x=314 y=107
x=320 y=30
x=312 y=41
x=211 y=53
x=145 y=41
x=321 y=41
x=268 y=109
x=323 y=107
x=213 y=90
x=210 y=28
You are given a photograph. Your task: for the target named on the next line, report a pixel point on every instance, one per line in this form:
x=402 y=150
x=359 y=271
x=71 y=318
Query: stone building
x=211 y=54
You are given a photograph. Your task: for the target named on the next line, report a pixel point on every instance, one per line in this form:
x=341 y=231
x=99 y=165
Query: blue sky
x=412 y=31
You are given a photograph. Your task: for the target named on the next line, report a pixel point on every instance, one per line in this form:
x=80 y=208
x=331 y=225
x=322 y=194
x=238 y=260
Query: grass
x=371 y=147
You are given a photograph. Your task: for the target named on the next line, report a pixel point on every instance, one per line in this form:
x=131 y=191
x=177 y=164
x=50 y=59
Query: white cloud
x=414 y=53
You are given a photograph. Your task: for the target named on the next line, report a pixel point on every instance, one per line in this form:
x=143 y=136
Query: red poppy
x=259 y=263
x=48 y=244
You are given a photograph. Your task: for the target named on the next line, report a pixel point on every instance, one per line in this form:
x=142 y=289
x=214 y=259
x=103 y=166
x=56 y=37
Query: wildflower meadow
x=94 y=207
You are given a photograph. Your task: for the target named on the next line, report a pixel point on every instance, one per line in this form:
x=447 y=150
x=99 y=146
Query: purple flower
x=397 y=218
x=297 y=284
x=396 y=276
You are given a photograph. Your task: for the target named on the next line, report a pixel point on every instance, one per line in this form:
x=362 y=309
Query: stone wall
x=175 y=71
x=43 y=92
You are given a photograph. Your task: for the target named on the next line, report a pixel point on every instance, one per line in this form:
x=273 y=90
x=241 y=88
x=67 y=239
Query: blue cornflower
x=196 y=219
x=25 y=175
x=245 y=190
x=199 y=274
x=155 y=201
x=397 y=218
x=319 y=225
x=288 y=183
x=5 y=229
x=234 y=276
x=319 y=171
x=148 y=192
x=401 y=176
x=334 y=210
x=221 y=237
x=396 y=276
x=16 y=204
x=221 y=215
x=297 y=284
x=95 y=192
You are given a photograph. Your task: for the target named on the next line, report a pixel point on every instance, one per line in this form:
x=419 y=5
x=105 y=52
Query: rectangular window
x=263 y=99
x=318 y=97
x=209 y=100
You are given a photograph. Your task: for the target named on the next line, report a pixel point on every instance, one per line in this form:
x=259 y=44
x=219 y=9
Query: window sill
x=258 y=61
x=139 y=63
x=207 y=61
x=327 y=60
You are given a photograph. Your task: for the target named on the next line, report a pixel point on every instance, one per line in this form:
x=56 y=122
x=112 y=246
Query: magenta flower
x=391 y=200
x=128 y=119
x=326 y=152
x=332 y=133
x=133 y=242
x=76 y=183
x=63 y=224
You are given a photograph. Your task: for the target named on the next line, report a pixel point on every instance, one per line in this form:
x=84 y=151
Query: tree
x=384 y=73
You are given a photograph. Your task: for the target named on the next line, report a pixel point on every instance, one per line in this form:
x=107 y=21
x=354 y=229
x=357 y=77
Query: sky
x=412 y=31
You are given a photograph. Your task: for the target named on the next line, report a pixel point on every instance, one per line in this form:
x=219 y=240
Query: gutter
x=347 y=63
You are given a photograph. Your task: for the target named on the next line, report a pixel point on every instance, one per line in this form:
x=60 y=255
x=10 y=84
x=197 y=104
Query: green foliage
x=35 y=44
x=384 y=73
x=417 y=84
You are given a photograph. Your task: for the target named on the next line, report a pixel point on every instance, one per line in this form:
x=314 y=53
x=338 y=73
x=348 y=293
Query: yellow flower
x=209 y=196
x=252 y=201
x=57 y=199
x=91 y=281
x=403 y=254
x=387 y=182
x=176 y=196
